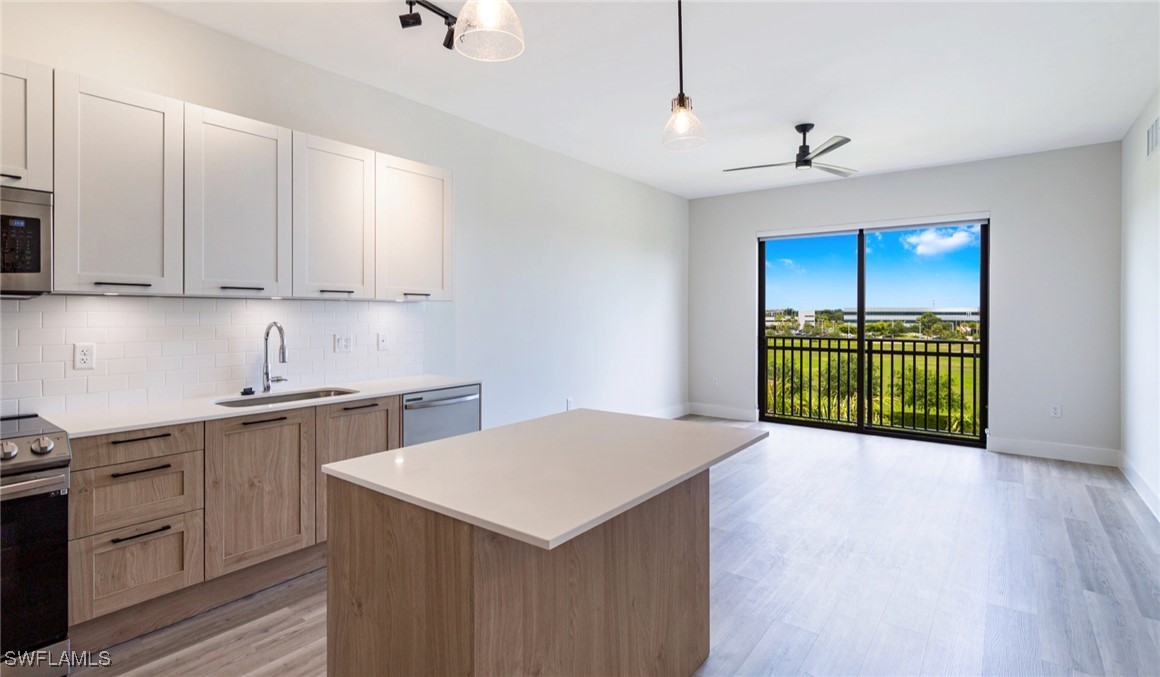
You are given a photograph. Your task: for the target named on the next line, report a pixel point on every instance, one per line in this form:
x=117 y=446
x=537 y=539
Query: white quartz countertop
x=548 y=480
x=119 y=419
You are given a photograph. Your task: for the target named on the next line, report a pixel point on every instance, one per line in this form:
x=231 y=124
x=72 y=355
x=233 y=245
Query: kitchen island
x=574 y=544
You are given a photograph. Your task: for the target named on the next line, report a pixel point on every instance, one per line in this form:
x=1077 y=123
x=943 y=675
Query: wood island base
x=414 y=592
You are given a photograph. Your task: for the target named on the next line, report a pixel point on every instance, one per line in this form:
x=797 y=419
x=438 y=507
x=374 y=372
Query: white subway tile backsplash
x=165 y=349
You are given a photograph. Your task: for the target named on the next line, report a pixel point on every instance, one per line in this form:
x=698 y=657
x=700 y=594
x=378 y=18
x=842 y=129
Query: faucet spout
x=266 y=380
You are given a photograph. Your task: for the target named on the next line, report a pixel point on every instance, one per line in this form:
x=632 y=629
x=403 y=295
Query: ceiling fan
x=805 y=158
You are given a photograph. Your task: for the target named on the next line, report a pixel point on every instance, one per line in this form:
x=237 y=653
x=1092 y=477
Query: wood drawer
x=136 y=445
x=125 y=494
x=121 y=568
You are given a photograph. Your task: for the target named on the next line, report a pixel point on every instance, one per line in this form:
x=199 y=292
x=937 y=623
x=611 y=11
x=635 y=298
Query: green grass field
x=815 y=378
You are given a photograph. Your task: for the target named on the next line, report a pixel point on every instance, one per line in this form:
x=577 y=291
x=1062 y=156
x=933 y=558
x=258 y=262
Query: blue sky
x=920 y=267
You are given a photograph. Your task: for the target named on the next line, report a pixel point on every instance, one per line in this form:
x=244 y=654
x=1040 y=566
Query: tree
x=929 y=324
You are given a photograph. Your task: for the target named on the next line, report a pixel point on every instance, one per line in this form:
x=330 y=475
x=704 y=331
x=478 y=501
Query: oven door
x=34 y=561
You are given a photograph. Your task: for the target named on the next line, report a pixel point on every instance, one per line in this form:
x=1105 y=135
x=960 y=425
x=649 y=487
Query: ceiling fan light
x=489 y=30
x=684 y=130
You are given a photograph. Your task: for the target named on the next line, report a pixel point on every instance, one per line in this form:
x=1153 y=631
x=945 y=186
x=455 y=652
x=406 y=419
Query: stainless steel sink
x=256 y=400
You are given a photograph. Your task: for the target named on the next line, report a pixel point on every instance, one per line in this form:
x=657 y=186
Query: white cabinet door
x=118 y=189
x=26 y=125
x=237 y=205
x=413 y=226
x=334 y=219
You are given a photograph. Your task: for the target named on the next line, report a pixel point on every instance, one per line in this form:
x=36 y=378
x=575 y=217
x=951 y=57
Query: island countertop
x=547 y=480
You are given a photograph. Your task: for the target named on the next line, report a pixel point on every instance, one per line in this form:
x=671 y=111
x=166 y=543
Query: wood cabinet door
x=25 y=125
x=259 y=488
x=334 y=219
x=352 y=429
x=116 y=496
x=237 y=205
x=118 y=569
x=413 y=219
x=119 y=189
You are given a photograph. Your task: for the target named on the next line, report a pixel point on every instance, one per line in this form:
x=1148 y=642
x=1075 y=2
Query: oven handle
x=34 y=487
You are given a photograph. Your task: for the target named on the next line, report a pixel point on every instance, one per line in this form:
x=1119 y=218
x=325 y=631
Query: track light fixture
x=684 y=130
x=489 y=30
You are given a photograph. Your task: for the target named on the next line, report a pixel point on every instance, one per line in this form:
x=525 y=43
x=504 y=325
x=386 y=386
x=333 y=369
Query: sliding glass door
x=880 y=331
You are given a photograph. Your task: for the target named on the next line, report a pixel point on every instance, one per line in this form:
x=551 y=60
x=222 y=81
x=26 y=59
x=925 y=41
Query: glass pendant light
x=489 y=30
x=684 y=130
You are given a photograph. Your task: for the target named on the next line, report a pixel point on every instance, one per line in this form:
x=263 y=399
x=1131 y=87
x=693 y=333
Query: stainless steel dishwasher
x=435 y=414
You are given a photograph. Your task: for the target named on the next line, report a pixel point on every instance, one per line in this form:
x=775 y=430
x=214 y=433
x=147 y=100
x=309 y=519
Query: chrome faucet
x=266 y=380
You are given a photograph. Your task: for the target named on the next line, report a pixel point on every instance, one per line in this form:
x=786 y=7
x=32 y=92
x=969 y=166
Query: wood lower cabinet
x=121 y=495
x=120 y=568
x=353 y=429
x=259 y=488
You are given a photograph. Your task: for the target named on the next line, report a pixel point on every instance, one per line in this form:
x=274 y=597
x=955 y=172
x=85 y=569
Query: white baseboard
x=1142 y=488
x=671 y=411
x=719 y=411
x=1054 y=450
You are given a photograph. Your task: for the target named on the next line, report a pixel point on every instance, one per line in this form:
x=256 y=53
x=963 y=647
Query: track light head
x=449 y=39
x=412 y=18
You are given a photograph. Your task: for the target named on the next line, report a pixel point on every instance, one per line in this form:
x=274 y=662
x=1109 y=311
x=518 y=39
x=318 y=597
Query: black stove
x=34 y=484
x=29 y=443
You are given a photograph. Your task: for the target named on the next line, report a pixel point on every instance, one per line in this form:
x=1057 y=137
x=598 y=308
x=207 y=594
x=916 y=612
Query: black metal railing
x=923 y=386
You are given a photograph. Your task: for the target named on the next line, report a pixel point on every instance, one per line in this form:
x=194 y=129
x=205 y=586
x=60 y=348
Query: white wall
x=570 y=281
x=1141 y=308
x=1055 y=286
x=164 y=349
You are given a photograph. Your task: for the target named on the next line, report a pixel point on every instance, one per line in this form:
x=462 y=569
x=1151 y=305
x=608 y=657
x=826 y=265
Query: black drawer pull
x=416 y=293
x=124 y=284
x=228 y=288
x=361 y=406
x=138 y=472
x=265 y=420
x=143 y=533
x=12 y=176
x=142 y=439
x=335 y=291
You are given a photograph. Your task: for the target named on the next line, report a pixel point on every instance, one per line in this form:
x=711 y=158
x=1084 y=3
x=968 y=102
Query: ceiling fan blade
x=779 y=164
x=839 y=171
x=834 y=143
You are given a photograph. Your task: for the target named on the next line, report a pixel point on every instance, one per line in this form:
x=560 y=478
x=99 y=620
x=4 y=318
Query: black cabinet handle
x=138 y=472
x=142 y=439
x=12 y=176
x=335 y=291
x=416 y=293
x=124 y=284
x=265 y=420
x=361 y=406
x=229 y=288
x=143 y=533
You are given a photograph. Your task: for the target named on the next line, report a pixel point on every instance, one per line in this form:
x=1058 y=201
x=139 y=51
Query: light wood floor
x=840 y=554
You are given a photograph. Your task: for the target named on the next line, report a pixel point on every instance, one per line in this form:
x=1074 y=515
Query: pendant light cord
x=680 y=49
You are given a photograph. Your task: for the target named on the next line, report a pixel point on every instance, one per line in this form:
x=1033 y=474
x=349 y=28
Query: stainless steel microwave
x=26 y=239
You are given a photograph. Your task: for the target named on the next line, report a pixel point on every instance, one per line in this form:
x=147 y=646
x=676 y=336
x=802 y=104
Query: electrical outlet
x=569 y=404
x=342 y=344
x=382 y=341
x=1055 y=411
x=716 y=383
x=84 y=355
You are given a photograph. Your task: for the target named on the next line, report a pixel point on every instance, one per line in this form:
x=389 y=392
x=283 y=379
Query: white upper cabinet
x=237 y=205
x=413 y=224
x=334 y=219
x=118 y=189
x=25 y=125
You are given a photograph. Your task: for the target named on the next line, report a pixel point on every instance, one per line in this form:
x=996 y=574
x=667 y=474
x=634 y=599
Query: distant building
x=907 y=315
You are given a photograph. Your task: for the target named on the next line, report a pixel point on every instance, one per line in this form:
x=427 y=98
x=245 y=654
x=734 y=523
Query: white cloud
x=791 y=265
x=935 y=241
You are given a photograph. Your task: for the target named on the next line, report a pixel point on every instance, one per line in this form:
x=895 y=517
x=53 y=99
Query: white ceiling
x=913 y=84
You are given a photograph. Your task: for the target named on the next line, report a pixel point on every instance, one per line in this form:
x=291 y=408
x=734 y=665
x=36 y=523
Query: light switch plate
x=342 y=344
x=382 y=341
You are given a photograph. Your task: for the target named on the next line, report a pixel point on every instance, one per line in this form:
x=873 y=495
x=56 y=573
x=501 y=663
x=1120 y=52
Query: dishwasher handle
x=441 y=403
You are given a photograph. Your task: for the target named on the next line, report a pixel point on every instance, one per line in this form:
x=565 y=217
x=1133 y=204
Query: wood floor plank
x=839 y=554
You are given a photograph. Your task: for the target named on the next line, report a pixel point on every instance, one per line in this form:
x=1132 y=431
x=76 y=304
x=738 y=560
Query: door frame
x=981 y=381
